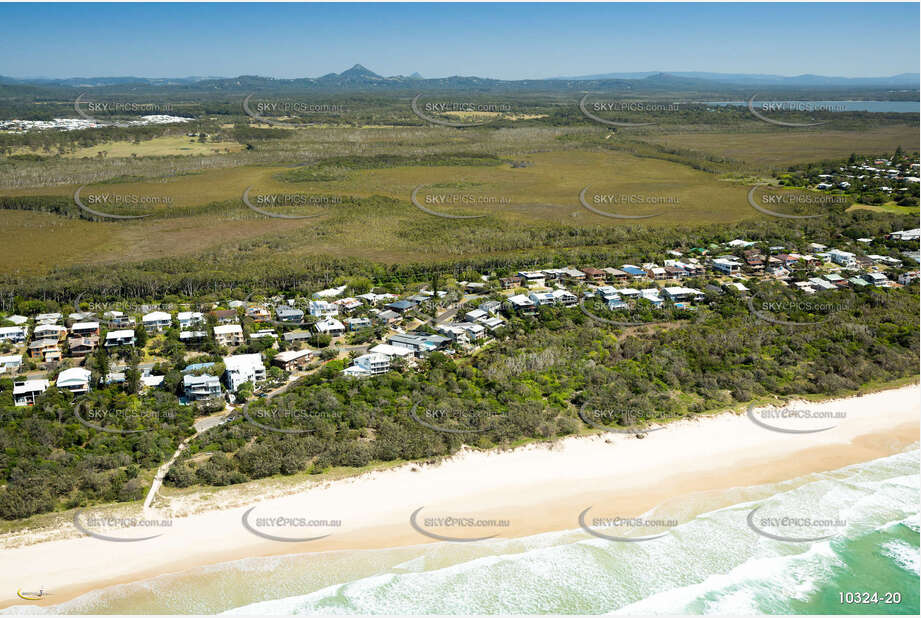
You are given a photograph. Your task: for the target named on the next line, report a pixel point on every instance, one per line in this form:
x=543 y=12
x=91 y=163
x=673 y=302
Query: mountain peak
x=359 y=71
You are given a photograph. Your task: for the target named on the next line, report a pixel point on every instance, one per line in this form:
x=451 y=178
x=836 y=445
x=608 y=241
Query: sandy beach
x=537 y=488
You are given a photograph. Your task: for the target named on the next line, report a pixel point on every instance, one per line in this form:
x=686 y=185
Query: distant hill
x=901 y=80
x=359 y=78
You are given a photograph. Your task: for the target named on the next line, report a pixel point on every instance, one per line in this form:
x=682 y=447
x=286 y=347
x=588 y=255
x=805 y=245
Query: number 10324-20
x=870 y=598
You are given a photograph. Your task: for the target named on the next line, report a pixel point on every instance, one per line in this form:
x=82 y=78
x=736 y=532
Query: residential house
x=82 y=346
x=843 y=258
x=293 y=315
x=374 y=363
x=392 y=351
x=401 y=306
x=229 y=334
x=263 y=333
x=76 y=380
x=330 y=326
x=475 y=316
x=292 y=360
x=594 y=275
x=564 y=298
x=533 y=278
x=119 y=337
x=84 y=329
x=419 y=344
x=656 y=273
x=522 y=305
x=298 y=336
x=193 y=337
x=491 y=307
x=675 y=272
x=243 y=368
x=197 y=388
x=11 y=363
x=682 y=294
x=225 y=316
x=877 y=279
x=189 y=318
x=634 y=272
x=508 y=283
x=323 y=309
x=118 y=319
x=156 y=321
x=49 y=331
x=27 y=391
x=48 y=318
x=44 y=350
x=348 y=305
x=726 y=266
x=542 y=299
x=616 y=275
x=259 y=314
x=13 y=334
x=907 y=278
x=389 y=317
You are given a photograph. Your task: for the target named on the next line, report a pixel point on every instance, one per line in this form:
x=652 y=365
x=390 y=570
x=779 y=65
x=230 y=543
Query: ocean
x=712 y=562
x=901 y=107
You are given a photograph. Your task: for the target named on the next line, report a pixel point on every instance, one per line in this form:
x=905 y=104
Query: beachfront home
x=76 y=380
x=27 y=391
x=401 y=306
x=388 y=317
x=594 y=275
x=564 y=298
x=616 y=275
x=228 y=334
x=521 y=304
x=298 y=336
x=634 y=272
x=243 y=368
x=205 y=386
x=225 y=316
x=259 y=314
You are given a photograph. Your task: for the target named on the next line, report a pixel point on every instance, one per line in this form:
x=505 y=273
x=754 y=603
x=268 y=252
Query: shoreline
x=539 y=487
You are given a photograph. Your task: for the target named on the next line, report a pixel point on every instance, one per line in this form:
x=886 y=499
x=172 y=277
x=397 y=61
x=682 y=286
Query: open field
x=779 y=146
x=545 y=192
x=168 y=145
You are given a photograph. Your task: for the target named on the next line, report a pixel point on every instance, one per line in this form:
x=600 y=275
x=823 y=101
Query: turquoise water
x=711 y=563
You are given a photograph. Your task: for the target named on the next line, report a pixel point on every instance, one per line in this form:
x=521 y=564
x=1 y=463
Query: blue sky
x=506 y=41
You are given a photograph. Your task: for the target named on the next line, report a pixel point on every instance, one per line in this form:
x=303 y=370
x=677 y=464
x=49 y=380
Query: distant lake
x=836 y=106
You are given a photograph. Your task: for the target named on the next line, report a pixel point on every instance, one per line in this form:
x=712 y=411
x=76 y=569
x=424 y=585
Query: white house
x=392 y=351
x=188 y=318
x=243 y=368
x=374 y=363
x=156 y=321
x=322 y=309
x=76 y=380
x=201 y=387
x=26 y=392
x=119 y=337
x=330 y=326
x=726 y=265
x=843 y=258
x=228 y=334
x=679 y=294
x=10 y=363
x=13 y=334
